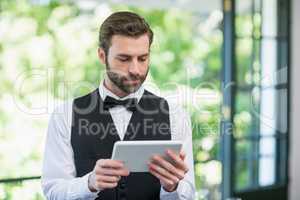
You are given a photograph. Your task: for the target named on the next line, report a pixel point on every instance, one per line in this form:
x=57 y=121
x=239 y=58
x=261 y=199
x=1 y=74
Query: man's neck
x=108 y=84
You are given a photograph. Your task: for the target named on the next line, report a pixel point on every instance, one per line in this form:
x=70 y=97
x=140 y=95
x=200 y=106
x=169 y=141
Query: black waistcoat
x=93 y=135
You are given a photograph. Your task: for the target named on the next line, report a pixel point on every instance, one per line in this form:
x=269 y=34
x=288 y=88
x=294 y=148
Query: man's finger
x=163 y=179
x=102 y=185
x=108 y=179
x=177 y=160
x=112 y=172
x=168 y=166
x=182 y=155
x=110 y=163
x=163 y=172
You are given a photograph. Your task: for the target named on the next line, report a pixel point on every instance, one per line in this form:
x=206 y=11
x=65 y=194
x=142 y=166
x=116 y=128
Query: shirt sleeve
x=59 y=175
x=181 y=129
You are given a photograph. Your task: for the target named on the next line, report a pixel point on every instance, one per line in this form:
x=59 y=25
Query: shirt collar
x=103 y=91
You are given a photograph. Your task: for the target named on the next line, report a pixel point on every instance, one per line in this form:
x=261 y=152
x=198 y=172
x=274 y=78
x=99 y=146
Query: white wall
x=295 y=104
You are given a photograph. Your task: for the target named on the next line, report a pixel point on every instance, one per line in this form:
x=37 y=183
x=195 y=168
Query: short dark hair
x=123 y=23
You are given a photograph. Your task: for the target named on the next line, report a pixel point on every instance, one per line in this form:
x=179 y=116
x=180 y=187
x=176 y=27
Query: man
x=81 y=133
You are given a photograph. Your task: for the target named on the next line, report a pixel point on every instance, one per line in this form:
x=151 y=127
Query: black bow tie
x=130 y=103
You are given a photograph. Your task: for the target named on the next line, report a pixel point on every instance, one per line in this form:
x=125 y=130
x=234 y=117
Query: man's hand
x=169 y=173
x=106 y=174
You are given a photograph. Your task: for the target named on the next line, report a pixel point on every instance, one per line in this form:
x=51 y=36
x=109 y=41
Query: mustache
x=131 y=78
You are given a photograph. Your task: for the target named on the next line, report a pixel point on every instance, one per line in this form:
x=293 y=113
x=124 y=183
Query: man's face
x=127 y=62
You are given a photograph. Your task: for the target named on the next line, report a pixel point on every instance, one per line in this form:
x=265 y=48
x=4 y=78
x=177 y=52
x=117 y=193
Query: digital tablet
x=137 y=154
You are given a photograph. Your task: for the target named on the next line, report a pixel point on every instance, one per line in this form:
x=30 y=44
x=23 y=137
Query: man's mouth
x=131 y=82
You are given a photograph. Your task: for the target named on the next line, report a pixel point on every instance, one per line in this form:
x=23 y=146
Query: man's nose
x=134 y=68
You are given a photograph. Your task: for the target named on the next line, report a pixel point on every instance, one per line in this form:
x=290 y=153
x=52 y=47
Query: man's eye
x=142 y=59
x=123 y=59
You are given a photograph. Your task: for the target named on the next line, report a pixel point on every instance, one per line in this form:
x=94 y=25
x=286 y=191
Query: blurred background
x=226 y=61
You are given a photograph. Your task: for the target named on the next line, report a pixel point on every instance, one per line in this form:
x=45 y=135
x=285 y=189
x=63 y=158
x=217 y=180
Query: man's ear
x=101 y=55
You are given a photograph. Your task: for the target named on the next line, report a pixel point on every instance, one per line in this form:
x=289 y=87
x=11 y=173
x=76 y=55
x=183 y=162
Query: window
x=256 y=147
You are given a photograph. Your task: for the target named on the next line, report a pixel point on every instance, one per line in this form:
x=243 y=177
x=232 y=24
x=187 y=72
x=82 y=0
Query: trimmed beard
x=119 y=79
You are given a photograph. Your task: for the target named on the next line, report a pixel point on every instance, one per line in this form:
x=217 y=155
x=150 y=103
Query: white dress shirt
x=59 y=181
